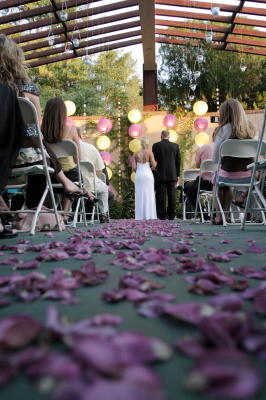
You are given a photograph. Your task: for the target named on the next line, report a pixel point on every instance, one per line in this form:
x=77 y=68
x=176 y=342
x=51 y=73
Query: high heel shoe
x=74 y=195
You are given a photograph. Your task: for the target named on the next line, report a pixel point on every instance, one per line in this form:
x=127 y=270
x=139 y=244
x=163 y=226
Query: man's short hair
x=164 y=134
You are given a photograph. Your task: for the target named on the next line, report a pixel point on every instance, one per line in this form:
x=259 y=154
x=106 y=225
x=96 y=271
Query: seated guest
x=89 y=153
x=14 y=73
x=11 y=131
x=54 y=129
x=191 y=188
x=233 y=124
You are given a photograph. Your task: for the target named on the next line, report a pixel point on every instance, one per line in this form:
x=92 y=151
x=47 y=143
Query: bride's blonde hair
x=232 y=111
x=144 y=143
x=12 y=62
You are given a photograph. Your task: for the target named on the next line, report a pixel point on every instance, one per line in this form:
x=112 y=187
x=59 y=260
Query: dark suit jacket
x=167 y=155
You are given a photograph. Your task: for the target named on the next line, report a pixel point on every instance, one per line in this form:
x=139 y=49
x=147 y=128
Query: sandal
x=238 y=203
x=74 y=195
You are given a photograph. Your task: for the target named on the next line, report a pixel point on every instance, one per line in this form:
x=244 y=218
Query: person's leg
x=161 y=191
x=190 y=189
x=171 y=194
x=102 y=195
x=225 y=196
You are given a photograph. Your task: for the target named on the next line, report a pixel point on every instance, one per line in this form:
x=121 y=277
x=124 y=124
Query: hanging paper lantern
x=172 y=135
x=200 y=107
x=132 y=176
x=71 y=107
x=70 y=122
x=135 y=130
x=201 y=139
x=200 y=124
x=109 y=173
x=106 y=156
x=134 y=145
x=104 y=125
x=169 y=121
x=103 y=142
x=134 y=116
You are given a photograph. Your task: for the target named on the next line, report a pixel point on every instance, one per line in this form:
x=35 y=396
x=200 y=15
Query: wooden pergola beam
x=85 y=43
x=82 y=53
x=80 y=25
x=209 y=5
x=83 y=34
x=251 y=50
x=14 y=3
x=71 y=16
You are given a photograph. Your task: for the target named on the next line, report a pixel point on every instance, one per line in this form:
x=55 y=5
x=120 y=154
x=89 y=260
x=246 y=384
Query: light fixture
x=104 y=125
x=135 y=131
x=132 y=176
x=193 y=86
x=103 y=142
x=200 y=107
x=208 y=37
x=243 y=66
x=202 y=138
x=106 y=156
x=134 y=116
x=172 y=135
x=196 y=74
x=71 y=107
x=215 y=10
x=200 y=58
x=170 y=121
x=63 y=14
x=200 y=124
x=191 y=97
x=134 y=145
x=50 y=37
x=109 y=173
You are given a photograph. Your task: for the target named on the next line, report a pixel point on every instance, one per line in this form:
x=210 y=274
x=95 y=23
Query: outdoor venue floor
x=200 y=239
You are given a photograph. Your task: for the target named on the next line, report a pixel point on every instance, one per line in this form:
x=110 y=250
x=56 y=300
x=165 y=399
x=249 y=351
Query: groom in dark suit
x=166 y=176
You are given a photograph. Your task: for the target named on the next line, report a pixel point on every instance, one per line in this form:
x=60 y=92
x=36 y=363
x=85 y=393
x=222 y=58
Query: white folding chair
x=258 y=165
x=245 y=148
x=67 y=148
x=204 y=195
x=188 y=175
x=30 y=117
x=87 y=169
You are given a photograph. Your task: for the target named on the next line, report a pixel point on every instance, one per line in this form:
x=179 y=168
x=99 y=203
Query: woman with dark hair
x=55 y=129
x=14 y=73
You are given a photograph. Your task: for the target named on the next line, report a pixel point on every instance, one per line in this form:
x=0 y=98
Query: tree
x=107 y=79
x=221 y=69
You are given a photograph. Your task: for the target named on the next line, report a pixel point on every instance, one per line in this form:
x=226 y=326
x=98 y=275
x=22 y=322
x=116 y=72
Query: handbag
x=45 y=222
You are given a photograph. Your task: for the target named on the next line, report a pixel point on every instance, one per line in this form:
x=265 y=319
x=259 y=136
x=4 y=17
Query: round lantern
x=70 y=122
x=109 y=173
x=104 y=125
x=135 y=130
x=71 y=107
x=172 y=135
x=134 y=116
x=103 y=142
x=201 y=139
x=106 y=156
x=200 y=124
x=200 y=107
x=134 y=145
x=132 y=176
x=169 y=121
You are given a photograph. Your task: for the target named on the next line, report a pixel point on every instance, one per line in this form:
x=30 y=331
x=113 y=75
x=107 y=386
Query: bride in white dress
x=143 y=161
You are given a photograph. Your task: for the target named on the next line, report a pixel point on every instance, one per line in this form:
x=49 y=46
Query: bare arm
x=133 y=164
x=152 y=160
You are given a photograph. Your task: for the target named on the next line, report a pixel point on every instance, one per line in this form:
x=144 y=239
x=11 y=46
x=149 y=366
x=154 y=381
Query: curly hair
x=12 y=62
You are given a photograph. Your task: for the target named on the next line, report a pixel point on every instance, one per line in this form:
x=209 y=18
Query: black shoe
x=7 y=234
x=103 y=219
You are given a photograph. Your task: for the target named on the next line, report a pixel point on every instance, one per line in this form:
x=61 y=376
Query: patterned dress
x=29 y=152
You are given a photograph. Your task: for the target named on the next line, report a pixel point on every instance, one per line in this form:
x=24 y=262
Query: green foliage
x=221 y=69
x=108 y=78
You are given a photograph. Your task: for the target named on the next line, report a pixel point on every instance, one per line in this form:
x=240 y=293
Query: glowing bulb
x=75 y=42
x=215 y=10
x=63 y=15
x=193 y=86
x=200 y=58
x=197 y=74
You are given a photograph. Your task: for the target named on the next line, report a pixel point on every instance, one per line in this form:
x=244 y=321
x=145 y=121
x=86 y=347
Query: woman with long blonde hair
x=233 y=124
x=143 y=161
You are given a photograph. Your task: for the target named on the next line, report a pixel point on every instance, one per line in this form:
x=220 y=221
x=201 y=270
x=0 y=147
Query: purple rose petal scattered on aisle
x=253 y=248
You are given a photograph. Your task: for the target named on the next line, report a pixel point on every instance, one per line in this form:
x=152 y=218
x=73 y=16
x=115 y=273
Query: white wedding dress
x=145 y=207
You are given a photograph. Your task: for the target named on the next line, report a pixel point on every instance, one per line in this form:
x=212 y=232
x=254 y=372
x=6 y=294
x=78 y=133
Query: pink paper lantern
x=104 y=125
x=70 y=122
x=106 y=156
x=200 y=124
x=135 y=130
x=169 y=121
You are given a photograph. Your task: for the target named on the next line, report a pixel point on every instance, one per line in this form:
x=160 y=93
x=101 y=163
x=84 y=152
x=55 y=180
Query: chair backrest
x=64 y=148
x=87 y=169
x=244 y=148
x=208 y=166
x=190 y=175
x=67 y=148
